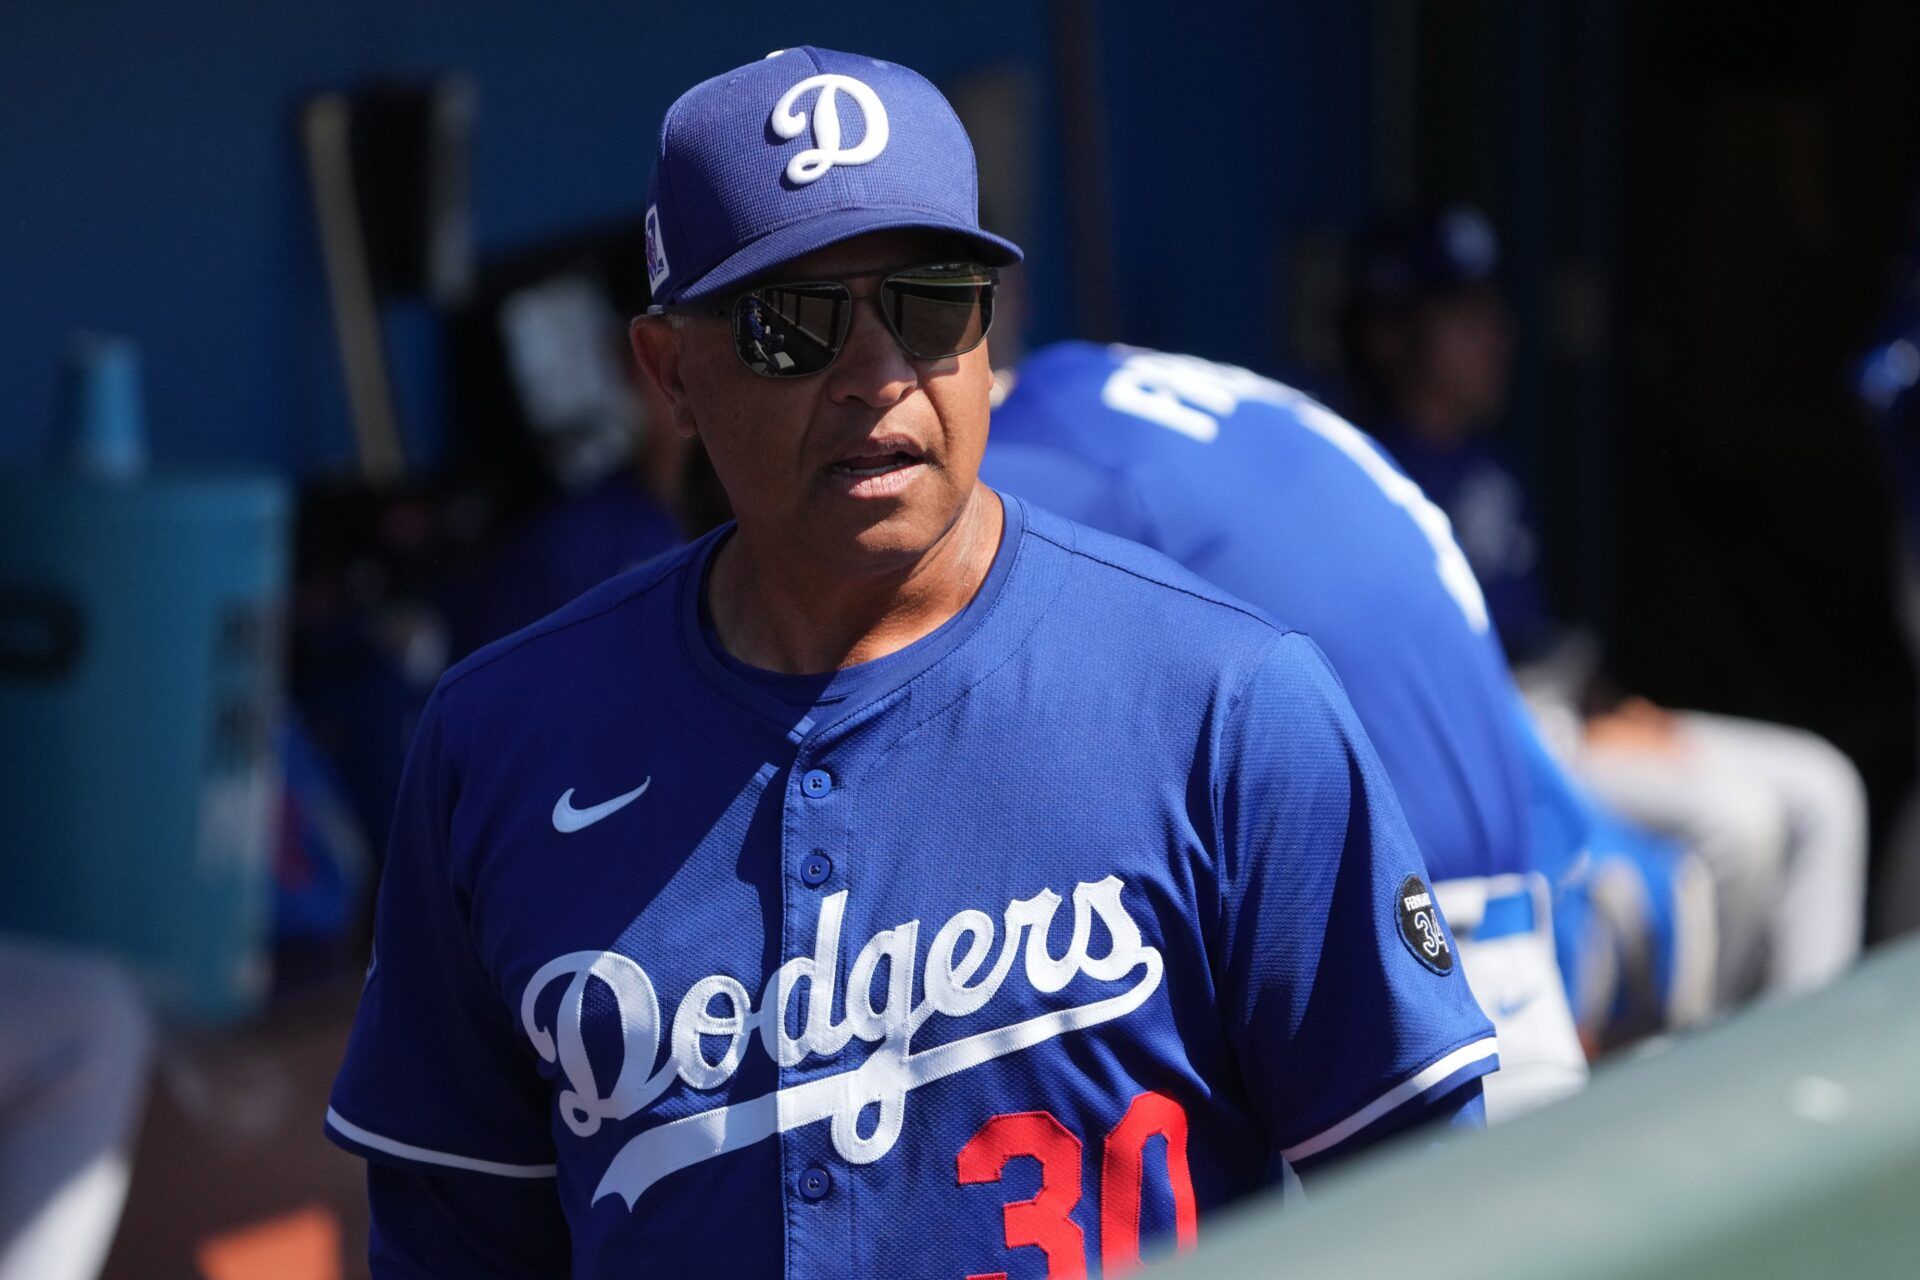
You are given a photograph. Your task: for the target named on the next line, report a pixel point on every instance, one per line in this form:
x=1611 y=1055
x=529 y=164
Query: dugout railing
x=1783 y=1142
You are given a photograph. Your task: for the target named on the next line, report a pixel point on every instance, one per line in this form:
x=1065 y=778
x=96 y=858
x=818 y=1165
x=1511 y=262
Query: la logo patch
x=1420 y=926
x=814 y=162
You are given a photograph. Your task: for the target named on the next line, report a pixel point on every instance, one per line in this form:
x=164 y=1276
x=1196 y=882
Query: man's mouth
x=878 y=456
x=875 y=464
x=880 y=468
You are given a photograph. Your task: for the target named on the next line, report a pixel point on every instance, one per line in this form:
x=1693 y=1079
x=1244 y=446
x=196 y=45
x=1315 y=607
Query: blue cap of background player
x=1887 y=376
x=1404 y=260
x=803 y=149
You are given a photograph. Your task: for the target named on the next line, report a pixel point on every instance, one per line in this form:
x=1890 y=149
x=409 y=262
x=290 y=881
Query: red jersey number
x=1046 y=1221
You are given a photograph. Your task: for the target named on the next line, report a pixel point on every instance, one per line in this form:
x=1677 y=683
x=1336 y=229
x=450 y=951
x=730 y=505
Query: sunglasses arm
x=718 y=311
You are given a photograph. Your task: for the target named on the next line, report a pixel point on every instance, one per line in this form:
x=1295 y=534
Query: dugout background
x=1698 y=204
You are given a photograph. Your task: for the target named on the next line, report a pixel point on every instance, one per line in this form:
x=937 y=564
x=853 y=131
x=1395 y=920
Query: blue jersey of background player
x=725 y=929
x=1274 y=498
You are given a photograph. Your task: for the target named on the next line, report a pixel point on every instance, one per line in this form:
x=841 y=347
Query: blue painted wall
x=1232 y=128
x=152 y=184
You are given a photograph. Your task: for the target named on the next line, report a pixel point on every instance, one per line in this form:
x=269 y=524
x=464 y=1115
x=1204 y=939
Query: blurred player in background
x=1886 y=381
x=573 y=543
x=1273 y=497
x=1634 y=923
x=1778 y=814
x=568 y=440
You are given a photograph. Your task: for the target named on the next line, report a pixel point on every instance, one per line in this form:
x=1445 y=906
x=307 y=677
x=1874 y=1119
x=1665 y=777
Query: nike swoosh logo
x=1507 y=1008
x=567 y=819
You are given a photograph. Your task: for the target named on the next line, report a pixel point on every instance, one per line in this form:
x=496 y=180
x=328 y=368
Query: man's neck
x=774 y=608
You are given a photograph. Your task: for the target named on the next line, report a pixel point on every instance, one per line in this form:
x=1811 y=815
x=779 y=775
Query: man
x=905 y=838
x=1431 y=349
x=1778 y=815
x=1272 y=497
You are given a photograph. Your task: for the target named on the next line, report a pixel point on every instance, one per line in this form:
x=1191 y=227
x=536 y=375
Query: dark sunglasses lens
x=940 y=311
x=791 y=331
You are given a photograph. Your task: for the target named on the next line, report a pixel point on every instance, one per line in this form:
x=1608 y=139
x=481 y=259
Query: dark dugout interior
x=1701 y=206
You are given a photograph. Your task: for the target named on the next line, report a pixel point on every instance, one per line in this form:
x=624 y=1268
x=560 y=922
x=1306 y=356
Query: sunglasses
x=794 y=329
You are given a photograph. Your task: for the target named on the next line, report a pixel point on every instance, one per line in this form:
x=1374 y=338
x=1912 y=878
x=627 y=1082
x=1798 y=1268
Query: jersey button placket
x=820 y=1213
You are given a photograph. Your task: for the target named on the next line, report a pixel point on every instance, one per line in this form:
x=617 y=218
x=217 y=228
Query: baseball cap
x=1886 y=378
x=801 y=150
x=1407 y=258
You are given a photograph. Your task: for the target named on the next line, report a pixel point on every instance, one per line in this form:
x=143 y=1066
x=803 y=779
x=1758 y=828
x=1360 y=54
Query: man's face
x=1463 y=353
x=864 y=466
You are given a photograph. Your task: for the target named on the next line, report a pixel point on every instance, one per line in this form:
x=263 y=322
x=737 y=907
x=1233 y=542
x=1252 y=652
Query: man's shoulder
x=601 y=620
x=1115 y=580
x=1130 y=624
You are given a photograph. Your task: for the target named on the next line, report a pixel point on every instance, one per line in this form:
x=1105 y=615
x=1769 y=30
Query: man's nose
x=872 y=368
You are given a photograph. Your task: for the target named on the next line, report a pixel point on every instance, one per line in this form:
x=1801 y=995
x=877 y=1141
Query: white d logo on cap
x=816 y=160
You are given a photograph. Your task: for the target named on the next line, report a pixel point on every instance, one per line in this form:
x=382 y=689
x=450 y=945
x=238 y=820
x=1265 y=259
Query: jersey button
x=815 y=869
x=815 y=1183
x=816 y=783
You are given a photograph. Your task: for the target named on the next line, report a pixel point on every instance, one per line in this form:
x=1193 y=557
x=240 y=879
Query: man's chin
x=884 y=534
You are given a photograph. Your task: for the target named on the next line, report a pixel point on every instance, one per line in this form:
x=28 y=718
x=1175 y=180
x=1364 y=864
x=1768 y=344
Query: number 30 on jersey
x=1046 y=1222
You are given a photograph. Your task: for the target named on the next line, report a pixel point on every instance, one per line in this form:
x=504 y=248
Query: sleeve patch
x=1420 y=926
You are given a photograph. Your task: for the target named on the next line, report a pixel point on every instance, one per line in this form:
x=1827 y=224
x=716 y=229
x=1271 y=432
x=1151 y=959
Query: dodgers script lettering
x=955 y=982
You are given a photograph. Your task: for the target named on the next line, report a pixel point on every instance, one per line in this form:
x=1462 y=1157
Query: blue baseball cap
x=803 y=149
x=1408 y=258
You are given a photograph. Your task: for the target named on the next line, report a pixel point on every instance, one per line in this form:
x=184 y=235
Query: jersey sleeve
x=435 y=1077
x=1338 y=978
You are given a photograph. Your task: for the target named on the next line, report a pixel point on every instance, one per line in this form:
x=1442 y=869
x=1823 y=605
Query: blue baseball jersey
x=1036 y=940
x=1273 y=497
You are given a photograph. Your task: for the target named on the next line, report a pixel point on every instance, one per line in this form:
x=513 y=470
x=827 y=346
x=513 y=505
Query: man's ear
x=657 y=350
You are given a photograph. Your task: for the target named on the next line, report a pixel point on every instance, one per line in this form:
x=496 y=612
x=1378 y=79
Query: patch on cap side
x=656 y=250
x=1420 y=927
